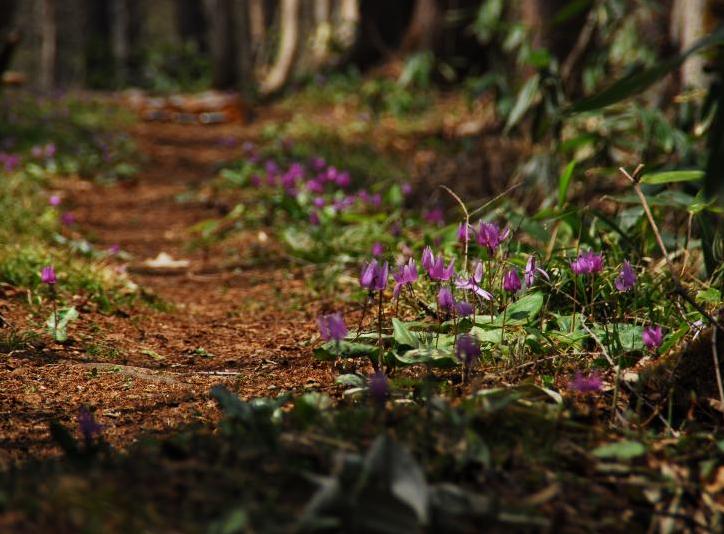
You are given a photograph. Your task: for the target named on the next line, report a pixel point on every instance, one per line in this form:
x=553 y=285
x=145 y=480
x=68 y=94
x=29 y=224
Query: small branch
x=467 y=221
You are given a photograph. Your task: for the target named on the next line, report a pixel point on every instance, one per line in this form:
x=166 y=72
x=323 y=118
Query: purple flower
x=435 y=216
x=254 y=180
x=586 y=384
x=378 y=387
x=435 y=266
x=626 y=278
x=271 y=168
x=343 y=179
x=445 y=299
x=114 y=249
x=406 y=275
x=54 y=200
x=531 y=270
x=587 y=263
x=314 y=218
x=473 y=283
x=67 y=218
x=511 y=281
x=318 y=202
x=464 y=231
x=406 y=188
x=467 y=349
x=315 y=186
x=464 y=309
x=374 y=275
x=491 y=236
x=88 y=426
x=318 y=163
x=50 y=150
x=47 y=275
x=653 y=336
x=378 y=249
x=332 y=327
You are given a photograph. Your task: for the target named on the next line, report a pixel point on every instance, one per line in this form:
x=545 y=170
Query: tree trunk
x=48 y=45
x=348 y=25
x=218 y=15
x=687 y=25
x=423 y=28
x=322 y=33
x=279 y=73
x=119 y=39
x=244 y=51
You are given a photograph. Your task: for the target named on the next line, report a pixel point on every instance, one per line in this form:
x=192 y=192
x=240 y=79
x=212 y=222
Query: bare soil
x=146 y=370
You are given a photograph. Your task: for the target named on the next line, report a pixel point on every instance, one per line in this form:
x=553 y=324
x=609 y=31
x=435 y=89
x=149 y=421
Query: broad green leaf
x=432 y=357
x=709 y=296
x=64 y=317
x=403 y=335
x=637 y=82
x=564 y=182
x=523 y=310
x=628 y=337
x=620 y=450
x=669 y=177
x=351 y=380
x=487 y=335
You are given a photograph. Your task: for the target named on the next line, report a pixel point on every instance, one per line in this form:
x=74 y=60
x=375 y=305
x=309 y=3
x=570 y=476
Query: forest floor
x=151 y=369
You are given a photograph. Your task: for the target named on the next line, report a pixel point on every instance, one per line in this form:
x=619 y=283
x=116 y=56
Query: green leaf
x=669 y=177
x=637 y=82
x=564 y=182
x=525 y=100
x=627 y=337
x=620 y=450
x=432 y=357
x=64 y=317
x=487 y=335
x=403 y=335
x=710 y=295
x=351 y=380
x=523 y=310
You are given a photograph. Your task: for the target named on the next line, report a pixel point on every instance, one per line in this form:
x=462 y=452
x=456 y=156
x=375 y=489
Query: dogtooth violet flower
x=87 y=425
x=626 y=278
x=445 y=299
x=532 y=270
x=464 y=232
x=374 y=275
x=511 y=281
x=332 y=327
x=652 y=337
x=378 y=387
x=435 y=266
x=47 y=275
x=406 y=275
x=467 y=349
x=473 y=283
x=586 y=384
x=491 y=236
x=587 y=263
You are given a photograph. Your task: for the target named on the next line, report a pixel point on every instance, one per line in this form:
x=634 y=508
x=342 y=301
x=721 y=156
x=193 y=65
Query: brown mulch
x=245 y=327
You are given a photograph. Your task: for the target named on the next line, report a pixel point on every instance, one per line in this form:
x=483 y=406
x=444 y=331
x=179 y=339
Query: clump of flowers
x=435 y=266
x=587 y=263
x=332 y=327
x=491 y=236
x=405 y=276
x=374 y=275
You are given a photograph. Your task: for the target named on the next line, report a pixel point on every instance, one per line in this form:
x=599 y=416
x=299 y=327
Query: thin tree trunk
x=257 y=25
x=244 y=52
x=423 y=26
x=119 y=39
x=348 y=26
x=687 y=25
x=279 y=73
x=322 y=32
x=48 y=45
x=218 y=15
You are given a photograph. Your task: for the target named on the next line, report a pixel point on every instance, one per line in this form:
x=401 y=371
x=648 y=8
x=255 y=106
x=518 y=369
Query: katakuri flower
x=467 y=349
x=652 y=337
x=465 y=232
x=47 y=275
x=54 y=200
x=332 y=327
x=374 y=275
x=531 y=270
x=378 y=249
x=626 y=278
x=445 y=299
x=406 y=275
x=491 y=236
x=511 y=281
x=586 y=384
x=435 y=266
x=88 y=426
x=463 y=309
x=378 y=387
x=473 y=283
x=587 y=263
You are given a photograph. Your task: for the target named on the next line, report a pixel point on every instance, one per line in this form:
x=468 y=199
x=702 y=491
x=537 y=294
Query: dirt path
x=153 y=370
